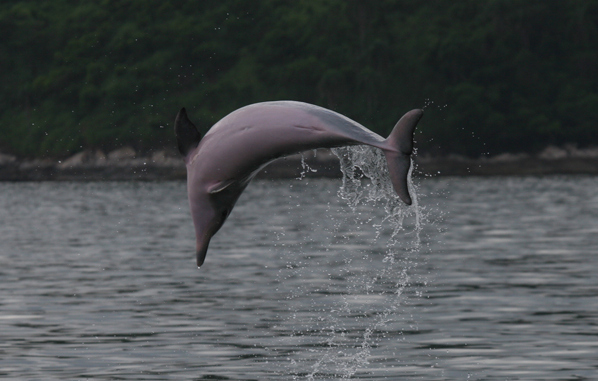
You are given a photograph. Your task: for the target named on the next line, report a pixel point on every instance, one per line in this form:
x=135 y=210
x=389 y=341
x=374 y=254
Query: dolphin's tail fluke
x=398 y=155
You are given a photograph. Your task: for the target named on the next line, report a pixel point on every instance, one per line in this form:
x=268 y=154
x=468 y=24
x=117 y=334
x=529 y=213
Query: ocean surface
x=482 y=279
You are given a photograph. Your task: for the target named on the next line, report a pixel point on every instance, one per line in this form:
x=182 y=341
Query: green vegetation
x=496 y=76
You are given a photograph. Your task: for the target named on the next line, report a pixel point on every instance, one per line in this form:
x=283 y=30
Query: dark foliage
x=496 y=76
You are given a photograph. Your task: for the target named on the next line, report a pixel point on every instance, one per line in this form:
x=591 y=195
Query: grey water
x=489 y=279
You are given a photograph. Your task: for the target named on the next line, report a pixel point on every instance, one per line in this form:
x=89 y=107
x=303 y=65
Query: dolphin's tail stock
x=398 y=154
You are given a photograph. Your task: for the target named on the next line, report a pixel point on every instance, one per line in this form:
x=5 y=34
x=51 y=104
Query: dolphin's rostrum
x=223 y=162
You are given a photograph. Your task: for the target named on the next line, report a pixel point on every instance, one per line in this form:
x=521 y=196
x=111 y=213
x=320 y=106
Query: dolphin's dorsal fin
x=187 y=136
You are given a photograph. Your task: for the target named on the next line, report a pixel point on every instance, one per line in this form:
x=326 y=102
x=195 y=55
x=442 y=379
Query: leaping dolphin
x=235 y=149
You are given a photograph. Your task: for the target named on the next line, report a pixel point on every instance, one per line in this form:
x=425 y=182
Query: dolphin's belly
x=244 y=151
x=248 y=138
x=288 y=122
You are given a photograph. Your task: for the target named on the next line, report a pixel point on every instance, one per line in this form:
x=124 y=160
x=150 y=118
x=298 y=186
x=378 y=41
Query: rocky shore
x=551 y=161
x=121 y=164
x=126 y=164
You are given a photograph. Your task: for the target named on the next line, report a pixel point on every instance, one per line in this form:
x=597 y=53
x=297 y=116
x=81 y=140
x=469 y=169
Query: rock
x=7 y=159
x=589 y=153
x=124 y=153
x=324 y=155
x=508 y=157
x=74 y=161
x=553 y=153
x=457 y=157
x=83 y=158
x=161 y=158
x=36 y=164
x=99 y=157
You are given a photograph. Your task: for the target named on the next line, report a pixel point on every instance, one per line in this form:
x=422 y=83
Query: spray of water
x=366 y=181
x=351 y=328
x=305 y=168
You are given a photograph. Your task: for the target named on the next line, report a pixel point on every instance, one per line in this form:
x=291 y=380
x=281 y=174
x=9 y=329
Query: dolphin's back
x=252 y=136
x=246 y=140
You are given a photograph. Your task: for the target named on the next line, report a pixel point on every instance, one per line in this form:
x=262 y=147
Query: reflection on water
x=98 y=282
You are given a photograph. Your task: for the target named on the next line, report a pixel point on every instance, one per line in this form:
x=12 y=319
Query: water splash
x=354 y=323
x=305 y=168
x=366 y=181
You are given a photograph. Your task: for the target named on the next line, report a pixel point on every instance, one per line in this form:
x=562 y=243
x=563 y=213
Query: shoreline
x=123 y=165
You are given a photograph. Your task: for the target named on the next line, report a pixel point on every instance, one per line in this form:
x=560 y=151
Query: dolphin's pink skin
x=220 y=165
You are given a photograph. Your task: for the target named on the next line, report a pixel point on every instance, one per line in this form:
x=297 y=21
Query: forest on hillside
x=494 y=76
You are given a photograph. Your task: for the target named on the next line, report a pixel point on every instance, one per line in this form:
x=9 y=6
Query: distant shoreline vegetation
x=494 y=77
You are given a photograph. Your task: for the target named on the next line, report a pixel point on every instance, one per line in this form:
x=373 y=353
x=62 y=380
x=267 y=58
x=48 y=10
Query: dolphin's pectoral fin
x=220 y=186
x=187 y=135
